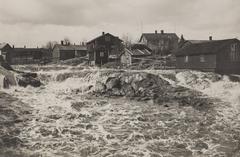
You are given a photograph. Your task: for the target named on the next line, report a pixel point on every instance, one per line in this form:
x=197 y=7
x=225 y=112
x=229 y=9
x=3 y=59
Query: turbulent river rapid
x=67 y=121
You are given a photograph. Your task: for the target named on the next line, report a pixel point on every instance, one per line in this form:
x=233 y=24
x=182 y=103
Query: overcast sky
x=34 y=22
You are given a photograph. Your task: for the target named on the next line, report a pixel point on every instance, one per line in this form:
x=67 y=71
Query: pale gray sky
x=34 y=22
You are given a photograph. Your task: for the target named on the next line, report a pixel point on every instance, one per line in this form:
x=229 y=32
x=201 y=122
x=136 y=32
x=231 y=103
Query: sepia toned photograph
x=128 y=78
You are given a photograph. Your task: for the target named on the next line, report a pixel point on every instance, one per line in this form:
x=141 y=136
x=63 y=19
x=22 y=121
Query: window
x=234 y=54
x=233 y=47
x=186 y=59
x=101 y=54
x=202 y=59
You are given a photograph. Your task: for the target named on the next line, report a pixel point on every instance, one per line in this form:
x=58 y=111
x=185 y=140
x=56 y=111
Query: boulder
x=25 y=81
x=100 y=87
x=113 y=82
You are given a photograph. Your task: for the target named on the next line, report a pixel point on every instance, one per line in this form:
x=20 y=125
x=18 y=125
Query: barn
x=103 y=47
x=221 y=56
x=68 y=51
x=19 y=56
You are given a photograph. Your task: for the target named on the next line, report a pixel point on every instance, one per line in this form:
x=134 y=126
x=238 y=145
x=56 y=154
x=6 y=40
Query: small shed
x=137 y=53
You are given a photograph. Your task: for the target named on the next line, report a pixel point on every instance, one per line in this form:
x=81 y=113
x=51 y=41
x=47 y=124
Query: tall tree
x=50 y=45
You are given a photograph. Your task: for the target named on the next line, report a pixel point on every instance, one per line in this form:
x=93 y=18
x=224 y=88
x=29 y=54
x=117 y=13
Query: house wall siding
x=105 y=45
x=210 y=63
x=126 y=59
x=224 y=62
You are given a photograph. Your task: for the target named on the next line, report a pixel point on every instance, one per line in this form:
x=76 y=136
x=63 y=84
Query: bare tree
x=50 y=45
x=66 y=41
x=127 y=39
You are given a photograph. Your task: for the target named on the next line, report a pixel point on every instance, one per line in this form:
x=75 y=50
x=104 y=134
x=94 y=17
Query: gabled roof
x=140 y=46
x=183 y=43
x=106 y=34
x=152 y=37
x=71 y=47
x=3 y=45
x=210 y=47
x=138 y=52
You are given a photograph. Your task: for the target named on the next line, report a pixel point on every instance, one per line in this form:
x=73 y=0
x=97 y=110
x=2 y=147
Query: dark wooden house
x=20 y=56
x=67 y=51
x=136 y=53
x=160 y=43
x=221 y=56
x=103 y=48
x=4 y=49
x=183 y=43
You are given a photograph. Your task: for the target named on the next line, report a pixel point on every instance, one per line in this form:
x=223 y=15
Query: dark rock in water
x=5 y=65
x=142 y=119
x=33 y=75
x=128 y=90
x=113 y=82
x=200 y=145
x=25 y=81
x=78 y=105
x=10 y=141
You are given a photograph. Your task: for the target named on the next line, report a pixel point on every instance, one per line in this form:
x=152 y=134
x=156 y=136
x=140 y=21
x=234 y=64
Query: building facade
x=221 y=56
x=160 y=43
x=4 y=49
x=68 y=51
x=103 y=47
x=20 y=56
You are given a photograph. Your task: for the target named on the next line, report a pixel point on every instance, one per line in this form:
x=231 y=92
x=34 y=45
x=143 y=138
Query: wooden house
x=4 y=49
x=20 y=56
x=67 y=51
x=160 y=43
x=103 y=48
x=136 y=53
x=221 y=56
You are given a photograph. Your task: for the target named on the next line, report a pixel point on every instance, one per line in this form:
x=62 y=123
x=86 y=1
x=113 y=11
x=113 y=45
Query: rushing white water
x=67 y=122
x=212 y=85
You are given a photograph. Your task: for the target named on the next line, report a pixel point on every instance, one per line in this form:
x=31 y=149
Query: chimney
x=156 y=32
x=210 y=38
x=24 y=46
x=12 y=46
x=103 y=33
x=62 y=43
x=162 y=31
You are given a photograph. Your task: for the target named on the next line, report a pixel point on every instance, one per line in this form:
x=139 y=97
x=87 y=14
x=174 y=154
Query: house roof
x=158 y=36
x=21 y=50
x=2 y=45
x=138 y=52
x=183 y=43
x=71 y=47
x=140 y=46
x=210 y=47
x=102 y=36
